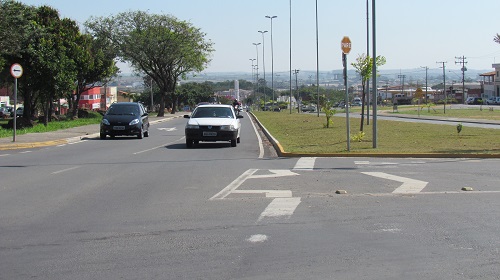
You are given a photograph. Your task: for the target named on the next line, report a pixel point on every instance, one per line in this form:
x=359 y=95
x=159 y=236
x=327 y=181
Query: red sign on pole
x=345 y=45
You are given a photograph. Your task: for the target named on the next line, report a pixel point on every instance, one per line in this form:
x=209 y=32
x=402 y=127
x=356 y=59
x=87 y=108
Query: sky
x=410 y=34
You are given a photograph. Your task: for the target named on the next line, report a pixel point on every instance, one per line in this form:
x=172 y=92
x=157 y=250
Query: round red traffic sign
x=345 y=45
x=16 y=70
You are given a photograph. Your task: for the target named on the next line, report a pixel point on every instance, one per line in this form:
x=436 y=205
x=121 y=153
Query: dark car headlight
x=134 y=122
x=105 y=122
x=192 y=126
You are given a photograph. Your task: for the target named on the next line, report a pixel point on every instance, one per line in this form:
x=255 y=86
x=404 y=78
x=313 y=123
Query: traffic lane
x=402 y=237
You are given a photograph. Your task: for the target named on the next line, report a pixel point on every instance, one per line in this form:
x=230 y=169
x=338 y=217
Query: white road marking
x=276 y=173
x=168 y=129
x=67 y=169
x=161 y=146
x=361 y=162
x=305 y=163
x=268 y=193
x=81 y=141
x=257 y=238
x=280 y=207
x=25 y=152
x=234 y=185
x=4 y=155
x=409 y=185
x=261 y=146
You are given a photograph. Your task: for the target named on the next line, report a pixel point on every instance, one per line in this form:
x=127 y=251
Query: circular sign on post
x=345 y=45
x=16 y=70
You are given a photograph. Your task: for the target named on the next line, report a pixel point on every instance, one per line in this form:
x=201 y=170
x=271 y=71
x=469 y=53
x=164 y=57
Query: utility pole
x=444 y=83
x=296 y=72
x=403 y=84
x=463 y=62
x=426 y=69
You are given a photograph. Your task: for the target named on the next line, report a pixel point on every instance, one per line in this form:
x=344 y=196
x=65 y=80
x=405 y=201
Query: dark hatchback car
x=125 y=118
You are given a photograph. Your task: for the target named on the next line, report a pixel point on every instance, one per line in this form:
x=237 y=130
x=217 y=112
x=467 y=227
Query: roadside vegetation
x=487 y=112
x=39 y=127
x=306 y=133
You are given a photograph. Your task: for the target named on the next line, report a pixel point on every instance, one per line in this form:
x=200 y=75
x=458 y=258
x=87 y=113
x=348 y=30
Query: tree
x=364 y=66
x=160 y=46
x=497 y=38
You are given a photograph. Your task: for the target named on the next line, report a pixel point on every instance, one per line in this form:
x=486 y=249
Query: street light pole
x=272 y=57
x=426 y=68
x=317 y=61
x=252 y=60
x=264 y=65
x=257 y=77
x=290 y=56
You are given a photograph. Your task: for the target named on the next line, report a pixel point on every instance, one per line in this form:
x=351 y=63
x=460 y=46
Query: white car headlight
x=227 y=127
x=136 y=121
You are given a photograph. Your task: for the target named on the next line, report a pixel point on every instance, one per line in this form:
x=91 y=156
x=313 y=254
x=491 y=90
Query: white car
x=212 y=123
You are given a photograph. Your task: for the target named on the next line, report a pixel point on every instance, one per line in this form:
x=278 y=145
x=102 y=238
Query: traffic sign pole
x=16 y=71
x=345 y=46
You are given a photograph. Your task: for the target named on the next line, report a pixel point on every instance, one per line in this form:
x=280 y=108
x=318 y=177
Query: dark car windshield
x=213 y=112
x=124 y=110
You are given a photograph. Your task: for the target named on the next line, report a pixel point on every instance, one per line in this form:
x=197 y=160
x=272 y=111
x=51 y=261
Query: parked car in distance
x=308 y=108
x=474 y=100
x=125 y=118
x=19 y=112
x=211 y=123
x=356 y=102
x=491 y=101
x=5 y=111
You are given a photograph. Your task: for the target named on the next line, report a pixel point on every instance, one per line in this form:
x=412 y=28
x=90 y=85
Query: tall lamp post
x=257 y=74
x=272 y=57
x=264 y=64
x=252 y=60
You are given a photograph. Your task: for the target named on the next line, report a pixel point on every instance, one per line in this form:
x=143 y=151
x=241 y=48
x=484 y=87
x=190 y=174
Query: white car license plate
x=209 y=133
x=118 y=127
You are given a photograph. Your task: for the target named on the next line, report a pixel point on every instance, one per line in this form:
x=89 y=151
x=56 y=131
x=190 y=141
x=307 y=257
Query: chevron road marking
x=409 y=185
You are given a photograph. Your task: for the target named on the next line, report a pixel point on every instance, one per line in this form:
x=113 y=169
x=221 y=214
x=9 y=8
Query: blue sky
x=410 y=34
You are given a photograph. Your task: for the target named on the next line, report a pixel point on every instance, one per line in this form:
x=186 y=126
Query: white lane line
x=280 y=207
x=64 y=170
x=234 y=185
x=25 y=152
x=268 y=193
x=161 y=146
x=361 y=162
x=4 y=155
x=261 y=146
x=409 y=185
x=305 y=163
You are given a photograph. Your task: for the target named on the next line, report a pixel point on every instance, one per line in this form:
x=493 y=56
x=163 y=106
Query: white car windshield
x=213 y=112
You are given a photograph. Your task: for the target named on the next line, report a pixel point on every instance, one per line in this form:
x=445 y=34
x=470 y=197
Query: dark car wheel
x=102 y=136
x=141 y=134
x=238 y=140
x=233 y=143
x=189 y=143
x=146 y=133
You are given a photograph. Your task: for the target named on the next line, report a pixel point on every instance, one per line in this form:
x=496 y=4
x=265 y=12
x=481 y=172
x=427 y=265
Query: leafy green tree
x=364 y=66
x=14 y=20
x=160 y=46
x=194 y=93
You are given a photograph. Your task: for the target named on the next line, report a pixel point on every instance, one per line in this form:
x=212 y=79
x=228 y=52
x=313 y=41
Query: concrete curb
x=281 y=152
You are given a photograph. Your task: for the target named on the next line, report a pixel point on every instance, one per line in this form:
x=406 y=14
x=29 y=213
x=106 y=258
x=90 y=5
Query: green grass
x=305 y=133
x=478 y=112
x=51 y=126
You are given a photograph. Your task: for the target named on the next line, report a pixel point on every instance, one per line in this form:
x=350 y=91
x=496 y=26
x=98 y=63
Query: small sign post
x=16 y=70
x=345 y=45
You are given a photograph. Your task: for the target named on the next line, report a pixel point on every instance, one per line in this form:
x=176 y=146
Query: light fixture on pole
x=257 y=75
x=264 y=64
x=272 y=57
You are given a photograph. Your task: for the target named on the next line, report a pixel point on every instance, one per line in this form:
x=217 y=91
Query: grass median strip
x=305 y=133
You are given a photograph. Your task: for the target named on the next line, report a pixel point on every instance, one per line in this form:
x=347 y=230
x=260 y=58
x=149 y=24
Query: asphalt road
x=152 y=209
